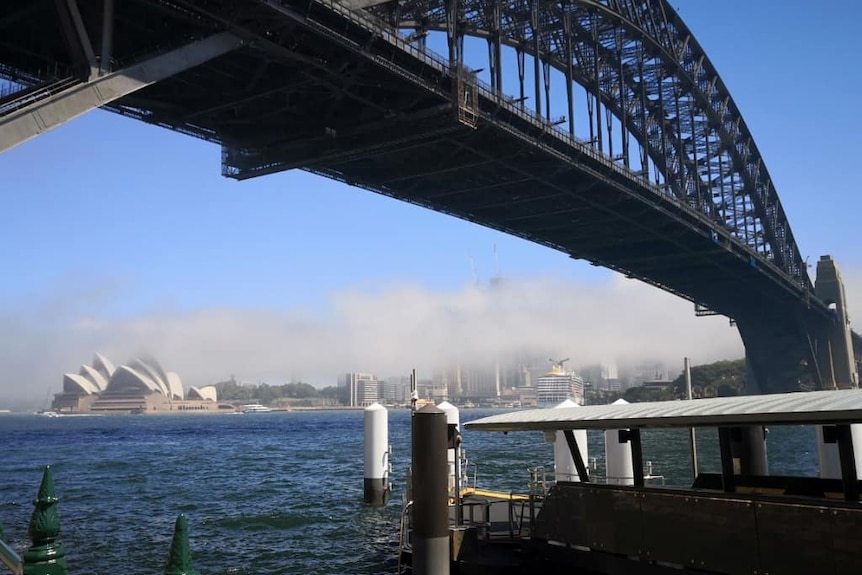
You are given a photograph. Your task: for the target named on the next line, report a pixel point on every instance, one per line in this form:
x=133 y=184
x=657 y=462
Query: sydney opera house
x=139 y=386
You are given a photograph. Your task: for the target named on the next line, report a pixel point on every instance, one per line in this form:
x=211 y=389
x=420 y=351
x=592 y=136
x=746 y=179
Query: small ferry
x=66 y=414
x=254 y=408
x=736 y=521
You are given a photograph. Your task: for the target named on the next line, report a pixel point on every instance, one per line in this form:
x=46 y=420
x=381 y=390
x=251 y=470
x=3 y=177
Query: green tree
x=639 y=394
x=719 y=379
x=299 y=390
x=335 y=395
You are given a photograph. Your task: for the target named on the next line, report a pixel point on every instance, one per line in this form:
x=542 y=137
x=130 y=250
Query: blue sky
x=125 y=237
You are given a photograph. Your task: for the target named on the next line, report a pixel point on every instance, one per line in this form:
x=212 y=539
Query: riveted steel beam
x=76 y=34
x=56 y=109
x=637 y=60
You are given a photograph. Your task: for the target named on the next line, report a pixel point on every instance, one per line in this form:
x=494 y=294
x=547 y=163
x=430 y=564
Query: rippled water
x=265 y=493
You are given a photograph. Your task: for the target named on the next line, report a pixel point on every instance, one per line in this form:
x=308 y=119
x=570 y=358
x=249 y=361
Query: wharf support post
x=376 y=481
x=430 y=492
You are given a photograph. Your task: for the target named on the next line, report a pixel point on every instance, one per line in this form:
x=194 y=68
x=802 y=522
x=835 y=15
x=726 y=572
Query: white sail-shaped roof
x=207 y=393
x=175 y=385
x=103 y=365
x=78 y=384
x=154 y=367
x=127 y=379
x=154 y=372
x=142 y=375
x=94 y=377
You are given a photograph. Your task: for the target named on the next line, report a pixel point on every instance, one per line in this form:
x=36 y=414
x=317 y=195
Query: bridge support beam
x=107 y=37
x=76 y=34
x=57 y=109
x=834 y=342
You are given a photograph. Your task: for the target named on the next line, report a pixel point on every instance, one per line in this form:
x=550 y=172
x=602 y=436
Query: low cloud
x=387 y=332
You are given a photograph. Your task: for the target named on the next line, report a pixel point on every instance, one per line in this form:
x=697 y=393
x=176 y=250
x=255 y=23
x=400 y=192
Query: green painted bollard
x=180 y=557
x=46 y=556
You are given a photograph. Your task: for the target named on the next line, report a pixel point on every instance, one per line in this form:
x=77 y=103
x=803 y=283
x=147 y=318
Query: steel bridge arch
x=643 y=64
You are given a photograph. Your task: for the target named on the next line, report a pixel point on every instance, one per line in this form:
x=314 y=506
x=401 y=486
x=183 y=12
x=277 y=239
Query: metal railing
x=404 y=540
x=11 y=560
x=47 y=555
x=37 y=94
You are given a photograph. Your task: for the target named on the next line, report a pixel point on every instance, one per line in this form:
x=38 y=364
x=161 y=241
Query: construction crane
x=496 y=263
x=558 y=364
x=473 y=268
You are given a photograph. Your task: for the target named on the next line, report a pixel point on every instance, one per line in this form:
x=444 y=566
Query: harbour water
x=267 y=493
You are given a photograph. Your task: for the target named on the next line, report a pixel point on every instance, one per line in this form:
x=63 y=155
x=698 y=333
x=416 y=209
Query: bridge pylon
x=834 y=343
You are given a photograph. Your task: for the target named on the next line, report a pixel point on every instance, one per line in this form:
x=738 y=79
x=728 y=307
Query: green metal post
x=180 y=557
x=46 y=556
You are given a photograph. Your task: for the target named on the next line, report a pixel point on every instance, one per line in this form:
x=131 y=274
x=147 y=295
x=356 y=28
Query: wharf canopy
x=138 y=386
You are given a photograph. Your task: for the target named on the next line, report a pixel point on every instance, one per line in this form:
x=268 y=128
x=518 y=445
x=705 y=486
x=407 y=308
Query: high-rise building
x=395 y=389
x=363 y=389
x=479 y=381
x=558 y=385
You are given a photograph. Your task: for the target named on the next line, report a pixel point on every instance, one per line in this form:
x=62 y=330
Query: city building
x=395 y=389
x=527 y=396
x=558 y=385
x=363 y=389
x=476 y=381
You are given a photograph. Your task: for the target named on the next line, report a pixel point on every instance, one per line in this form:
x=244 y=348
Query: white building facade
x=558 y=385
x=363 y=389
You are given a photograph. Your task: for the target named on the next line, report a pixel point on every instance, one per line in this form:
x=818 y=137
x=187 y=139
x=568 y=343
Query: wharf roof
x=811 y=407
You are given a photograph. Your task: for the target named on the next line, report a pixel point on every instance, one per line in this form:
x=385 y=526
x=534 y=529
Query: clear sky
x=121 y=237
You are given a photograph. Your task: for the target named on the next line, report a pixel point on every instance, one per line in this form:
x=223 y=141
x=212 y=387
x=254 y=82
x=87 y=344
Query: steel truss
x=637 y=60
x=670 y=187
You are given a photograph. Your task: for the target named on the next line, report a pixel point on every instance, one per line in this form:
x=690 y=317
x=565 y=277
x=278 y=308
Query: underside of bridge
x=337 y=92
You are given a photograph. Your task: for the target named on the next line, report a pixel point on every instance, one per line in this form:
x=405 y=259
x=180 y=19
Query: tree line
x=718 y=379
x=298 y=393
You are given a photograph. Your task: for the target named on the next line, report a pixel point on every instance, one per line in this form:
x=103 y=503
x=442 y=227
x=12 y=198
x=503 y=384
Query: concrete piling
x=376 y=488
x=453 y=417
x=564 y=463
x=430 y=492
x=619 y=465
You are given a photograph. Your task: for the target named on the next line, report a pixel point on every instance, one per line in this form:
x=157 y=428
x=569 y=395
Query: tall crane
x=558 y=364
x=496 y=263
x=473 y=268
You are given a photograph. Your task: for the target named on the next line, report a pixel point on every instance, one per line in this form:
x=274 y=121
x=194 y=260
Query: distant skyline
x=123 y=238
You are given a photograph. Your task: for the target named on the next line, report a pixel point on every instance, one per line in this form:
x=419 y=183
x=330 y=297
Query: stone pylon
x=46 y=556
x=180 y=556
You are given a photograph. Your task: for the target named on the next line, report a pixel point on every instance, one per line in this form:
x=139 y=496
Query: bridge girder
x=49 y=108
x=339 y=97
x=642 y=63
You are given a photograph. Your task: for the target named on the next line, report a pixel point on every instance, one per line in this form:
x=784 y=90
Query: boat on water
x=739 y=520
x=65 y=414
x=255 y=408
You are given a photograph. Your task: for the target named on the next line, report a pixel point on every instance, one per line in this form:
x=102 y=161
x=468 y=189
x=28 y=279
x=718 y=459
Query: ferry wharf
x=741 y=521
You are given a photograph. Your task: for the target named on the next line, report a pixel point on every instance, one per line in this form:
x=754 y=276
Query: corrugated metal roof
x=838 y=406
